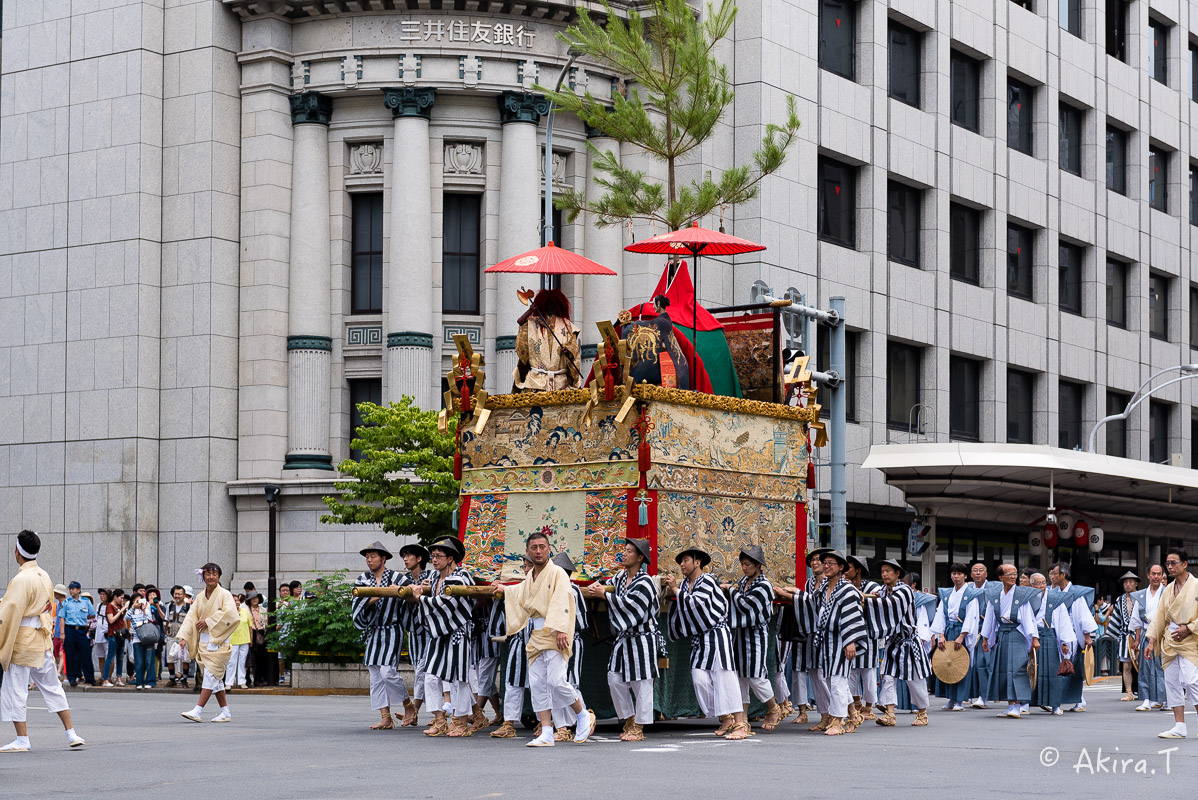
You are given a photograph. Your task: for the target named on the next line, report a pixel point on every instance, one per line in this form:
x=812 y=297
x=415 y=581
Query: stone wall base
x=340 y=676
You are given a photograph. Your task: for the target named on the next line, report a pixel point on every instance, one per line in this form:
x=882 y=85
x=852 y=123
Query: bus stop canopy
x=1011 y=483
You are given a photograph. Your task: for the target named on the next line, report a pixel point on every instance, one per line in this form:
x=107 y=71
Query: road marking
x=669 y=748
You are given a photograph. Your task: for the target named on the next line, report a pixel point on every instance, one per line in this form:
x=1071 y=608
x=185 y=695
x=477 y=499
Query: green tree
x=318 y=628
x=668 y=53
x=404 y=479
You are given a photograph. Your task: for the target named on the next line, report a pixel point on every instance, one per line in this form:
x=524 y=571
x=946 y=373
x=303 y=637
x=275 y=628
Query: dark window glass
x=1158 y=432
x=1019 y=116
x=903 y=60
x=837 y=202
x=1194 y=316
x=1158 y=50
x=1116 y=28
x=966 y=88
x=1071 y=16
x=1116 y=293
x=1158 y=306
x=460 y=262
x=1116 y=160
x=1193 y=438
x=902 y=384
x=1193 y=70
x=902 y=223
x=1158 y=179
x=964 y=394
x=1070 y=135
x=1116 y=429
x=1071 y=397
x=1027 y=4
x=1019 y=261
x=1071 y=260
x=824 y=361
x=362 y=390
x=964 y=233
x=1021 y=388
x=1193 y=218
x=366 y=260
x=837 y=36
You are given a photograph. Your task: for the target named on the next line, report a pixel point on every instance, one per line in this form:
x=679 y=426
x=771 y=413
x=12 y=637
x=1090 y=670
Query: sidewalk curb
x=280 y=691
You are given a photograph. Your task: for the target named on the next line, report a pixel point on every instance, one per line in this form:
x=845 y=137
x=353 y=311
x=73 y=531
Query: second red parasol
x=551 y=260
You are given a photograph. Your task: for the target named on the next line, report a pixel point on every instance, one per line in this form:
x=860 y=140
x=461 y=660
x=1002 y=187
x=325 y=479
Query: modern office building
x=225 y=222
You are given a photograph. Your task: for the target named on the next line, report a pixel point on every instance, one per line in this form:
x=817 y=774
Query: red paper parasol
x=551 y=260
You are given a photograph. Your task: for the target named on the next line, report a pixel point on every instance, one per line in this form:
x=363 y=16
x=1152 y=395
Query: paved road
x=301 y=747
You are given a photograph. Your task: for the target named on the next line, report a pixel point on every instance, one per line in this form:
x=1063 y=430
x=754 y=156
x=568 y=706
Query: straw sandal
x=438 y=727
x=506 y=731
x=635 y=733
x=921 y=719
x=384 y=724
x=824 y=721
x=773 y=717
x=887 y=720
x=459 y=727
x=563 y=734
x=836 y=727
x=741 y=730
x=727 y=722
x=801 y=719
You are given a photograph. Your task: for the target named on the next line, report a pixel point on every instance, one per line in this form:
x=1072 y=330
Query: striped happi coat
x=411 y=618
x=834 y=623
x=448 y=622
x=574 y=668
x=1119 y=624
x=751 y=604
x=379 y=622
x=892 y=618
x=515 y=671
x=482 y=646
x=867 y=654
x=632 y=609
x=803 y=653
x=700 y=613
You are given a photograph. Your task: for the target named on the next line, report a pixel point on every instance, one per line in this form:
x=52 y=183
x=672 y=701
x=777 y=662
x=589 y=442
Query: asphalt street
x=319 y=747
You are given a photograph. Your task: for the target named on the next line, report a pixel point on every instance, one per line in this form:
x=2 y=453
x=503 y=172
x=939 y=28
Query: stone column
x=309 y=326
x=519 y=218
x=409 y=301
x=603 y=296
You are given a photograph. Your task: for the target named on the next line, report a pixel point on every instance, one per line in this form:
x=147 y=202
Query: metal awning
x=1010 y=483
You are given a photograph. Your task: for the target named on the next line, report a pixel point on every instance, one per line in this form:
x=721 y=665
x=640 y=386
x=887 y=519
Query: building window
x=1070 y=264
x=1116 y=160
x=1116 y=429
x=1116 y=293
x=362 y=390
x=902 y=384
x=1019 y=116
x=1070 y=135
x=1193 y=218
x=1158 y=51
x=903 y=60
x=1021 y=392
x=1025 y=4
x=823 y=361
x=837 y=202
x=1194 y=316
x=1071 y=16
x=1158 y=431
x=460 y=262
x=1158 y=306
x=902 y=224
x=837 y=36
x=1019 y=261
x=964 y=233
x=366 y=254
x=1071 y=398
x=966 y=88
x=964 y=398
x=1158 y=179
x=1193 y=69
x=1116 y=28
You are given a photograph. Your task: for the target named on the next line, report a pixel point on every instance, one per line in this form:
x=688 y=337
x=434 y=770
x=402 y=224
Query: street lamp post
x=549 y=159
x=1187 y=370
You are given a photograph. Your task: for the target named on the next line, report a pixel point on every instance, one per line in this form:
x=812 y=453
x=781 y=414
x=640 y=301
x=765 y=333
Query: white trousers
x=419 y=680
x=549 y=683
x=918 y=689
x=717 y=691
x=235 y=672
x=763 y=690
x=14 y=694
x=835 y=689
x=460 y=696
x=799 y=689
x=867 y=680
x=212 y=683
x=484 y=685
x=781 y=687
x=513 y=703
x=387 y=688
x=1181 y=679
x=631 y=698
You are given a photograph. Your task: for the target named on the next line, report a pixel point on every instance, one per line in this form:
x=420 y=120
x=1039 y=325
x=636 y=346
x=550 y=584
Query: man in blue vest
x=1079 y=600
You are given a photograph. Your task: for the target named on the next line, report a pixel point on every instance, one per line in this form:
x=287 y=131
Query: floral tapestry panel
x=606 y=527
x=549 y=435
x=486 y=534
x=727 y=483
x=560 y=515
x=716 y=439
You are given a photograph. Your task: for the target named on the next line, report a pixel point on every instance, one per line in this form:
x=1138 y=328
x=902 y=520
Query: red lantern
x=1081 y=533
x=1050 y=535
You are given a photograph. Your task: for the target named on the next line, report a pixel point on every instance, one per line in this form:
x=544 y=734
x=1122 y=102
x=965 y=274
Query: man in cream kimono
x=26 y=648
x=1172 y=633
x=206 y=630
x=546 y=600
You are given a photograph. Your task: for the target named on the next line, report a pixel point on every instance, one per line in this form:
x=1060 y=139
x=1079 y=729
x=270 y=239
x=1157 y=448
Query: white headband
x=25 y=553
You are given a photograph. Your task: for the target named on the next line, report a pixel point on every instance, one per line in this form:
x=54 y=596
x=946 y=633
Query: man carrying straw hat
x=448 y=622
x=751 y=604
x=378 y=618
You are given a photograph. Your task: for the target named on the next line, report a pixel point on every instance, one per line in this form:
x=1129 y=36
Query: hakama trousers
x=717 y=691
x=387 y=687
x=917 y=688
x=1152 y=676
x=1181 y=681
x=631 y=698
x=14 y=692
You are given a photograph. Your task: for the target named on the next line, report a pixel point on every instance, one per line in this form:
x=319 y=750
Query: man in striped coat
x=863 y=678
x=633 y=607
x=892 y=617
x=447 y=619
x=751 y=605
x=802 y=655
x=485 y=665
x=700 y=613
x=1120 y=625
x=416 y=572
x=562 y=718
x=515 y=671
x=832 y=615
x=378 y=618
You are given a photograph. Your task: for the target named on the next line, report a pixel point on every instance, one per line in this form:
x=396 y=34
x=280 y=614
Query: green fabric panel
x=712 y=347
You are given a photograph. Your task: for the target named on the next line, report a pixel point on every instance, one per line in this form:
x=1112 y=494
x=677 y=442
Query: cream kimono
x=28 y=596
x=548 y=355
x=1173 y=612
x=547 y=596
x=220 y=612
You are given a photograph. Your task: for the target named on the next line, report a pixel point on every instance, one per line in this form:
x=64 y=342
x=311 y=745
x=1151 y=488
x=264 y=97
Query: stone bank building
x=225 y=222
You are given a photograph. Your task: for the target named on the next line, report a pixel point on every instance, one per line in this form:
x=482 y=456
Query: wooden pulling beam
x=453 y=591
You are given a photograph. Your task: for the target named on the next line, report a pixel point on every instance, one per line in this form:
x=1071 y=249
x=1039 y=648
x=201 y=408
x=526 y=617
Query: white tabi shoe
x=191 y=715
x=544 y=740
x=583 y=728
x=1145 y=706
x=75 y=740
x=15 y=746
x=978 y=703
x=223 y=716
x=1057 y=712
x=1178 y=731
